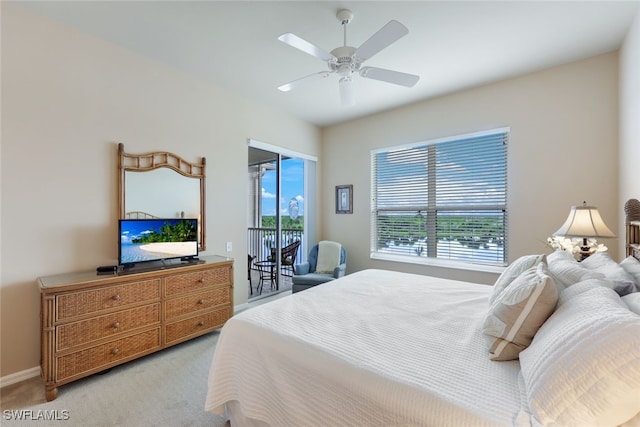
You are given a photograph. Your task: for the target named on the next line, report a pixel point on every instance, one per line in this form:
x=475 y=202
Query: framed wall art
x=344 y=199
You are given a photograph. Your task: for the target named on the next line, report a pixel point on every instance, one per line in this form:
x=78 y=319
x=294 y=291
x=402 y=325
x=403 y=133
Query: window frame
x=432 y=208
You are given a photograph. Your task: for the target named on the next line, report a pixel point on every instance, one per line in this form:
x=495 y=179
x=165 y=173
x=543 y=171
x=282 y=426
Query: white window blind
x=443 y=199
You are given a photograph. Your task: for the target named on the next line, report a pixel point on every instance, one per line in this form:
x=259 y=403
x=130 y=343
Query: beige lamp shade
x=584 y=221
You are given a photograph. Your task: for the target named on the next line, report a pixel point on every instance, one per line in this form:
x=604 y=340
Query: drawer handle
x=201 y=302
x=201 y=280
x=116 y=325
x=116 y=297
x=201 y=323
x=115 y=351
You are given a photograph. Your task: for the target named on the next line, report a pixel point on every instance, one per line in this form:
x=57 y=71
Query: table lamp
x=584 y=222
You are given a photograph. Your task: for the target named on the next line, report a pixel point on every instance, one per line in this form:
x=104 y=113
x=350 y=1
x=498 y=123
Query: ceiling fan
x=346 y=60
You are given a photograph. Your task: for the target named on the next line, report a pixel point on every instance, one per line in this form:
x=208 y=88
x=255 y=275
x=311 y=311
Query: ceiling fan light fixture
x=346 y=91
x=344 y=70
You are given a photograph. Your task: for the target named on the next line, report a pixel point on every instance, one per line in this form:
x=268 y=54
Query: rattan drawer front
x=79 y=303
x=86 y=331
x=182 y=283
x=196 y=325
x=105 y=354
x=190 y=304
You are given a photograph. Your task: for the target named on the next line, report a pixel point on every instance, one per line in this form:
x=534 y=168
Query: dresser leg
x=50 y=393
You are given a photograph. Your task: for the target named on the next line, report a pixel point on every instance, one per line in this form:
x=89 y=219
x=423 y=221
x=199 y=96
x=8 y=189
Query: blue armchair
x=305 y=274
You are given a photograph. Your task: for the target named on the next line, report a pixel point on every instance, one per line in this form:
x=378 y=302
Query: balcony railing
x=261 y=240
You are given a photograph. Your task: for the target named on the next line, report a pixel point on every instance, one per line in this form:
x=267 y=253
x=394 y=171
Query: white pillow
x=328 y=256
x=566 y=271
x=518 y=312
x=581 y=287
x=560 y=255
x=514 y=269
x=633 y=302
x=583 y=366
x=632 y=266
x=621 y=281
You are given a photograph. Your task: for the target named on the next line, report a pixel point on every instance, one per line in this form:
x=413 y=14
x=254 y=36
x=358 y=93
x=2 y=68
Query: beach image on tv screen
x=149 y=240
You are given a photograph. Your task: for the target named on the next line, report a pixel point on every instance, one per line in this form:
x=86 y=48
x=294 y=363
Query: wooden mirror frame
x=161 y=159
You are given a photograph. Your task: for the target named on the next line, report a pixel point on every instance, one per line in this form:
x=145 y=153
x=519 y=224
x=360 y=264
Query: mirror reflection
x=162 y=193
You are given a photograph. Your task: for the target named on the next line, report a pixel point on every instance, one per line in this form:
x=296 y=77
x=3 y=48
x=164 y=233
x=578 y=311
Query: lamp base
x=585 y=251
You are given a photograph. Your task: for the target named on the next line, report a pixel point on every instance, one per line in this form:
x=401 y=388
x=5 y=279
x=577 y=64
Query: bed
x=382 y=348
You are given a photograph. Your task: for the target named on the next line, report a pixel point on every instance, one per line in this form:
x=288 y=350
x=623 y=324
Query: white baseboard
x=240 y=307
x=19 y=376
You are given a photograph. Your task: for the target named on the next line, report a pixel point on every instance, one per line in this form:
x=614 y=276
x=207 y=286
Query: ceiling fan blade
x=389 y=76
x=383 y=38
x=300 y=43
x=311 y=77
x=346 y=91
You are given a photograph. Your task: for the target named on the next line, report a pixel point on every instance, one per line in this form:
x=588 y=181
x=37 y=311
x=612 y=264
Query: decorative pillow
x=621 y=281
x=633 y=302
x=566 y=271
x=583 y=366
x=519 y=311
x=514 y=269
x=632 y=266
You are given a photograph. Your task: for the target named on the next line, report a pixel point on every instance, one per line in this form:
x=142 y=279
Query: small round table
x=267 y=272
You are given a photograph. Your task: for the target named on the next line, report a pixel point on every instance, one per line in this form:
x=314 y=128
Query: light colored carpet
x=167 y=388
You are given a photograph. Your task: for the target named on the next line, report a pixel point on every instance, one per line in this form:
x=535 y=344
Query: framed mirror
x=161 y=185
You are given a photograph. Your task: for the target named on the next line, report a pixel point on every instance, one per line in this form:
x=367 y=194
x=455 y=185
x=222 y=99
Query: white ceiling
x=451 y=45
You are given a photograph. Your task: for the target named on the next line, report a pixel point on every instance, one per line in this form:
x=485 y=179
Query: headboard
x=632 y=223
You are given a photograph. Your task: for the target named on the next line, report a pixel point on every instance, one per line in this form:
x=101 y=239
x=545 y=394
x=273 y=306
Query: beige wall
x=563 y=150
x=67 y=98
x=629 y=120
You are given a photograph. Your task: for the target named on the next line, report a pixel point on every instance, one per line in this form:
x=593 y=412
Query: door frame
x=309 y=212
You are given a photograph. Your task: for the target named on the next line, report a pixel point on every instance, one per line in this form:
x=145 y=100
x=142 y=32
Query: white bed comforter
x=375 y=348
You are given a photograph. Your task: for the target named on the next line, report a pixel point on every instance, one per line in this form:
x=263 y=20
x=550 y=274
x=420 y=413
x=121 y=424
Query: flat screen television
x=148 y=240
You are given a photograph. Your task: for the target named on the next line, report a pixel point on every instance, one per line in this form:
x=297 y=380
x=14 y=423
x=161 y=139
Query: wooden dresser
x=91 y=322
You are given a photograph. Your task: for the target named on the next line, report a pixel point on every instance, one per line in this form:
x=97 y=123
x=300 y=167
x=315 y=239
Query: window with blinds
x=444 y=199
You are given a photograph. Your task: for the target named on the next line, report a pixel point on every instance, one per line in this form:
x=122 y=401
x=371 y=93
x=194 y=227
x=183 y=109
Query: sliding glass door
x=280 y=217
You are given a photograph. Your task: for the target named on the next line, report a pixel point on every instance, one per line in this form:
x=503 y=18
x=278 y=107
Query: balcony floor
x=285 y=285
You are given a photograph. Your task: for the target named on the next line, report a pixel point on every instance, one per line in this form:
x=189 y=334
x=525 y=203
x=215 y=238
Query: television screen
x=143 y=240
